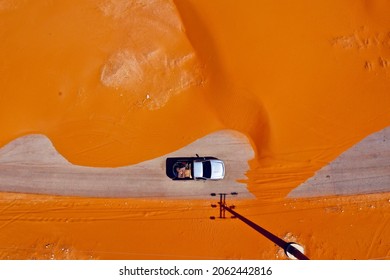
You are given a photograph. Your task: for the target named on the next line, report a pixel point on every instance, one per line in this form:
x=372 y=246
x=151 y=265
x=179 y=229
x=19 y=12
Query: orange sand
x=109 y=84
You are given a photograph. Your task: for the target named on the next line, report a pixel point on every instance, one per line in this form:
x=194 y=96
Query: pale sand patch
x=363 y=169
x=156 y=59
x=10 y=5
x=138 y=75
x=30 y=164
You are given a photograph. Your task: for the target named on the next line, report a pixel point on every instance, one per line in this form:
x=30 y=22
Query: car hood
x=217 y=169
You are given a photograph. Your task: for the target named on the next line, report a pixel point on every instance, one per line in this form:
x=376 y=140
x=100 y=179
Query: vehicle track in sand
x=362 y=169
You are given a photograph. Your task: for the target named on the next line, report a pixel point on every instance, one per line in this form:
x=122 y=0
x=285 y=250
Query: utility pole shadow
x=288 y=247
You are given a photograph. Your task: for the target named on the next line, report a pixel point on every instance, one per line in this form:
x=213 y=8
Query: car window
x=182 y=170
x=207 y=169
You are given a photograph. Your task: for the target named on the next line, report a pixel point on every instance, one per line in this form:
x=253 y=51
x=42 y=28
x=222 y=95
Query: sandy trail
x=363 y=169
x=31 y=164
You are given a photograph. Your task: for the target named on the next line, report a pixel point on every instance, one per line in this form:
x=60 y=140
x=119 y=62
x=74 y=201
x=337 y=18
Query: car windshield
x=207 y=169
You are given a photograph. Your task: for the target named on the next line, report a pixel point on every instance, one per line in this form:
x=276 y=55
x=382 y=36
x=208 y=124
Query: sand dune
x=31 y=164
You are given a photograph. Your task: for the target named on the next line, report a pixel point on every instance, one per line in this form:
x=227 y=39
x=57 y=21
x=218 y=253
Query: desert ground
x=293 y=96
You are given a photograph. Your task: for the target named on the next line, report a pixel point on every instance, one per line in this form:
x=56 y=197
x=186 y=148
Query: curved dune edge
x=363 y=169
x=30 y=164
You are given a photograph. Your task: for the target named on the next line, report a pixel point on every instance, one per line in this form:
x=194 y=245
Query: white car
x=209 y=169
x=195 y=168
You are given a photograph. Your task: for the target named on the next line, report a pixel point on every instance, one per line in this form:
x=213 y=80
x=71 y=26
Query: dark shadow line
x=280 y=242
